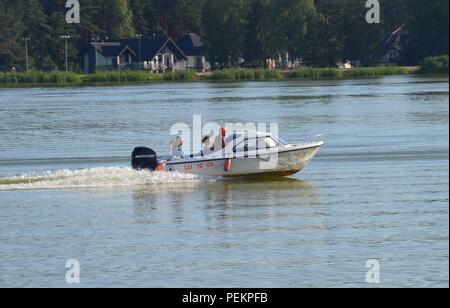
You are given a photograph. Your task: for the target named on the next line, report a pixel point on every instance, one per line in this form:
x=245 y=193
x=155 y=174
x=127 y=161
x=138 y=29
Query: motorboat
x=242 y=155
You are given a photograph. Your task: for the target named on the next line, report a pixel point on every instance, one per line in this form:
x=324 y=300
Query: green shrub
x=434 y=65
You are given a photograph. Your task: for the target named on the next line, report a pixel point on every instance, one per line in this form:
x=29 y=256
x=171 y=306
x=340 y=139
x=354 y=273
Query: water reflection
x=220 y=200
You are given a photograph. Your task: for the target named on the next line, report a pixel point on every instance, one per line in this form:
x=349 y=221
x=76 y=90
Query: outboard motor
x=144 y=158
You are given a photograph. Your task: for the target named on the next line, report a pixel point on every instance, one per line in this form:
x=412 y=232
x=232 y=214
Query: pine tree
x=37 y=30
x=328 y=39
x=56 y=50
x=428 y=27
x=188 y=17
x=259 y=35
x=321 y=31
x=92 y=20
x=224 y=25
x=294 y=19
x=119 y=19
x=143 y=12
x=11 y=28
x=362 y=40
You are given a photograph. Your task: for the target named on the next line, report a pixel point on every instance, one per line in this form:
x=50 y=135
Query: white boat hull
x=289 y=161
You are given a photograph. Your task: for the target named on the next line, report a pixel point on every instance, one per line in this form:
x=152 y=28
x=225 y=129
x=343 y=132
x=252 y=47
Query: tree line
x=319 y=31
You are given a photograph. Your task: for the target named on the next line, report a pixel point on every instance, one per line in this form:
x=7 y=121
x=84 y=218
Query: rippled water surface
x=379 y=189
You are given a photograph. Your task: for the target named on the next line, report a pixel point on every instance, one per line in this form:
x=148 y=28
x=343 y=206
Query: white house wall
x=192 y=63
x=155 y=64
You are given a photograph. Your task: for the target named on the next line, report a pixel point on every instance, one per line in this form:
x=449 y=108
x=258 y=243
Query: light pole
x=26 y=39
x=95 y=39
x=65 y=38
x=139 y=36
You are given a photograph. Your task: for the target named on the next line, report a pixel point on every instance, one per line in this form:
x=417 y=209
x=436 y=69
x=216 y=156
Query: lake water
x=379 y=189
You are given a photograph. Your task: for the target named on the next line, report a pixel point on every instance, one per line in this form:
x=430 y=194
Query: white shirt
x=176 y=148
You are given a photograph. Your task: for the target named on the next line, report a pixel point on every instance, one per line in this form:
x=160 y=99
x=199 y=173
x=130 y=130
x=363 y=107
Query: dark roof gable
x=149 y=47
x=191 y=44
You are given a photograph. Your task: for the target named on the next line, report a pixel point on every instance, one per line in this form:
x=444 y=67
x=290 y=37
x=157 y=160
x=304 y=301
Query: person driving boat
x=220 y=142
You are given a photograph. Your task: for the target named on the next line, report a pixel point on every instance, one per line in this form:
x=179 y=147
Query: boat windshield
x=267 y=142
x=259 y=143
x=280 y=141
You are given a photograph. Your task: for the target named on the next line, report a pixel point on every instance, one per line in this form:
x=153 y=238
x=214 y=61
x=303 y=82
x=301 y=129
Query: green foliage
x=315 y=73
x=223 y=25
x=435 y=65
x=38 y=29
x=129 y=76
x=246 y=74
x=39 y=77
x=276 y=27
x=323 y=73
x=119 y=19
x=428 y=24
x=379 y=71
x=268 y=74
x=180 y=76
x=171 y=17
x=307 y=73
x=321 y=32
x=11 y=28
x=121 y=77
x=139 y=76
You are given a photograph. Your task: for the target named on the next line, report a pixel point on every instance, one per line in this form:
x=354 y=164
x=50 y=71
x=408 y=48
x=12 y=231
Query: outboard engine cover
x=144 y=158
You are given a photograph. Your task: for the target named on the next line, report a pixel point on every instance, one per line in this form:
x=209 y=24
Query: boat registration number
x=199 y=166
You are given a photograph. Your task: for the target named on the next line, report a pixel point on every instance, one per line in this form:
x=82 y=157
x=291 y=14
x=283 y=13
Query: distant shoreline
x=116 y=78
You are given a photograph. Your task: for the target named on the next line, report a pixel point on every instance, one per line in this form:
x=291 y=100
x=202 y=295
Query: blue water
x=378 y=189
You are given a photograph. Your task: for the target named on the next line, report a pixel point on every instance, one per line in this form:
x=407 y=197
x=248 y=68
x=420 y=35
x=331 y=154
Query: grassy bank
x=308 y=73
x=107 y=77
x=40 y=78
x=247 y=74
x=322 y=73
x=139 y=77
x=430 y=66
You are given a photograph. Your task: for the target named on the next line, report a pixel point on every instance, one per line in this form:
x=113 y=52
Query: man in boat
x=206 y=146
x=176 y=148
x=220 y=143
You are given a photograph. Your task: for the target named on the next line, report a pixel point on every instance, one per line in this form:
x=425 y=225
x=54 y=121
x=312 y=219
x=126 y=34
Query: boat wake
x=94 y=177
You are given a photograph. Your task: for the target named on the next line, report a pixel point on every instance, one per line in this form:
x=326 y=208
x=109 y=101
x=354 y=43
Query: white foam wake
x=93 y=177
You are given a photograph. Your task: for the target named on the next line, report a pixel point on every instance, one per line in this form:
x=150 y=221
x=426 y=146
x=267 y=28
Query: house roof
x=191 y=44
x=114 y=51
x=392 y=44
x=394 y=40
x=150 y=47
